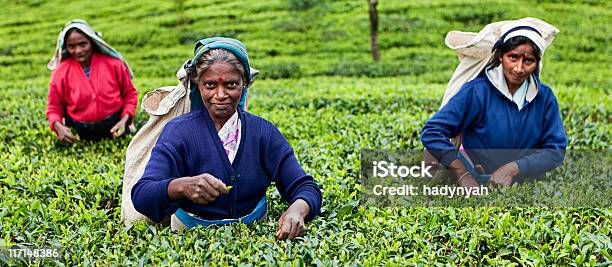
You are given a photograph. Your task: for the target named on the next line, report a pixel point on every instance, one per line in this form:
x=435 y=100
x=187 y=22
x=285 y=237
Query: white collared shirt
x=525 y=93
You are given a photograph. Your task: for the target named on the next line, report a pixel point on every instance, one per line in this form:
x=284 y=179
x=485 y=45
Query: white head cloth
x=475 y=49
x=60 y=50
x=533 y=36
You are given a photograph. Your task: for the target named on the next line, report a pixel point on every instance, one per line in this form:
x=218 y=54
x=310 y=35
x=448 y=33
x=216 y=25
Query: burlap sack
x=162 y=105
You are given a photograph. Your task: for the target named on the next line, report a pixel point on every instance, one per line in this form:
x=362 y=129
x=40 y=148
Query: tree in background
x=374 y=30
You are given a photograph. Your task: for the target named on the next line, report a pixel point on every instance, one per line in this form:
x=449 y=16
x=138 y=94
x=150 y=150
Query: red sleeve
x=55 y=102
x=128 y=92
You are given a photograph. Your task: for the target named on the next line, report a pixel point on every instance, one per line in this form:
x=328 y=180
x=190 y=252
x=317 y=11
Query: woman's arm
x=456 y=116
x=55 y=103
x=55 y=111
x=128 y=93
x=164 y=185
x=130 y=100
x=550 y=153
x=294 y=185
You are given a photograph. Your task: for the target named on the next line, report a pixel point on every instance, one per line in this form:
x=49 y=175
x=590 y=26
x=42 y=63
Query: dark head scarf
x=229 y=44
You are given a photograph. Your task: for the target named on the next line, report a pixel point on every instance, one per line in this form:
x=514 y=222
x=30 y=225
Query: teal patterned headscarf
x=229 y=44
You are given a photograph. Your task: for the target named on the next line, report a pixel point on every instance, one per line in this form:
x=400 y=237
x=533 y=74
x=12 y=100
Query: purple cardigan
x=189 y=146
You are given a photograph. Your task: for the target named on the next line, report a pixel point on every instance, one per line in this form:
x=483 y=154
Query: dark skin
x=80 y=48
x=518 y=64
x=502 y=176
x=221 y=86
x=64 y=133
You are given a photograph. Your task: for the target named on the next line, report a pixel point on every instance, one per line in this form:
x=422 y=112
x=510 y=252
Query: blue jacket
x=189 y=145
x=495 y=132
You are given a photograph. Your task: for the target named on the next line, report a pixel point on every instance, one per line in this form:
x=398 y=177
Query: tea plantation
x=320 y=87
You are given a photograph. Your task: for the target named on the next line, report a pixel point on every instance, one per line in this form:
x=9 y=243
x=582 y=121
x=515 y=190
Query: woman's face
x=221 y=87
x=79 y=47
x=518 y=64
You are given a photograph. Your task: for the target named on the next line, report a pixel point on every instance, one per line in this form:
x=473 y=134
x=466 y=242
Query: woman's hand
x=63 y=133
x=119 y=127
x=464 y=178
x=468 y=181
x=201 y=189
x=291 y=223
x=504 y=175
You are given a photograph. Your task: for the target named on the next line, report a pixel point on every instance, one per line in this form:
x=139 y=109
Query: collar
x=496 y=77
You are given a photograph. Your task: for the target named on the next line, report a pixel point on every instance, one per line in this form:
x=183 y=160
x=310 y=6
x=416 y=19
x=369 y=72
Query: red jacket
x=108 y=89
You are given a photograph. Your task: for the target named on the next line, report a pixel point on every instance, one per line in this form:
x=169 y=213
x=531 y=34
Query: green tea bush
x=320 y=88
x=280 y=70
x=299 y=5
x=383 y=69
x=466 y=15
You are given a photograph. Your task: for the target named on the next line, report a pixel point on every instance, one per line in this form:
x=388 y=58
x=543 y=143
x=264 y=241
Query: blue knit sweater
x=189 y=145
x=495 y=132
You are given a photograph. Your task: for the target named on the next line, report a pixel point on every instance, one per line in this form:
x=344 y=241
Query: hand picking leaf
x=119 y=131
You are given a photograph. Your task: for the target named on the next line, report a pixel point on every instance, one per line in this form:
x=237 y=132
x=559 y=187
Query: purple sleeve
x=291 y=180
x=550 y=152
x=448 y=122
